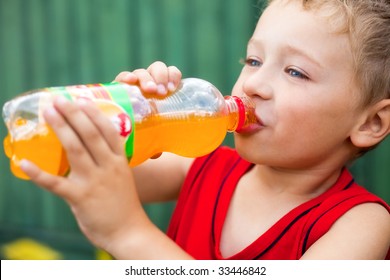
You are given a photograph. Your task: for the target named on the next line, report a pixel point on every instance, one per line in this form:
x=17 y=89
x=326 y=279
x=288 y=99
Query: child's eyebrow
x=298 y=51
x=290 y=49
x=253 y=42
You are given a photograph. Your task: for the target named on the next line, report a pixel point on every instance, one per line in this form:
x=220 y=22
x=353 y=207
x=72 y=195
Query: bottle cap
x=241 y=113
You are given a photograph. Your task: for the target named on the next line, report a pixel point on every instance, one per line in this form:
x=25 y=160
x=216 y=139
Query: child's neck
x=305 y=183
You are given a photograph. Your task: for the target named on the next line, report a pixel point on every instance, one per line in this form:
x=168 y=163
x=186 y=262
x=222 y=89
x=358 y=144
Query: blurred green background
x=62 y=42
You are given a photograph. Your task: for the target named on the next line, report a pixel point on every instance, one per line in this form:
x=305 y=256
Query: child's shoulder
x=349 y=216
x=367 y=225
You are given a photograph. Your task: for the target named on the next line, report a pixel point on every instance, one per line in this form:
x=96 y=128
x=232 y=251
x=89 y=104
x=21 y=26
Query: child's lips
x=252 y=127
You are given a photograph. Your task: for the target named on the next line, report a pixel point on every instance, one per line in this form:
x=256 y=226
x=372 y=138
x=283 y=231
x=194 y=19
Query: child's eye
x=251 y=62
x=296 y=74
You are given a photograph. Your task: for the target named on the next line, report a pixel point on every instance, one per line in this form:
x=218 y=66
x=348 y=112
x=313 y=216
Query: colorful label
x=113 y=99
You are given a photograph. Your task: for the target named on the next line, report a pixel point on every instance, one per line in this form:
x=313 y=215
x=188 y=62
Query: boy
x=318 y=72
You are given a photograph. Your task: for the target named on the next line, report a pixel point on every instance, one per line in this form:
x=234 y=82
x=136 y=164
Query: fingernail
x=51 y=112
x=151 y=85
x=161 y=89
x=171 y=86
x=61 y=100
x=24 y=164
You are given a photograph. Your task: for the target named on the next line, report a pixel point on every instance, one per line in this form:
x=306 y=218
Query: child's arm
x=158 y=179
x=100 y=188
x=363 y=233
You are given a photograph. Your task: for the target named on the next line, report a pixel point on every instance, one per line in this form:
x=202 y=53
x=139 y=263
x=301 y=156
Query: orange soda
x=191 y=122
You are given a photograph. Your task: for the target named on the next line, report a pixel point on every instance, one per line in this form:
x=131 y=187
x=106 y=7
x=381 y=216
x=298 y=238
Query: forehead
x=292 y=12
x=289 y=24
x=334 y=11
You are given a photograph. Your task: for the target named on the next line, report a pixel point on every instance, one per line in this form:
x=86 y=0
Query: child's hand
x=100 y=187
x=157 y=78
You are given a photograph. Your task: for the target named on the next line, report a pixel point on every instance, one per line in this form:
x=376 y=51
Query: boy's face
x=299 y=73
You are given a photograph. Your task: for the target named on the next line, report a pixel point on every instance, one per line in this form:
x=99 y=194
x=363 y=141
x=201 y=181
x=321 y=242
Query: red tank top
x=197 y=221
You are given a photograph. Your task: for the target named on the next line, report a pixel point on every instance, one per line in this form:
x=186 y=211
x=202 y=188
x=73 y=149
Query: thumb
x=54 y=184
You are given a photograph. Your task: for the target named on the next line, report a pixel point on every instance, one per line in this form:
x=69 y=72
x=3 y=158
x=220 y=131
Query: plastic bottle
x=191 y=121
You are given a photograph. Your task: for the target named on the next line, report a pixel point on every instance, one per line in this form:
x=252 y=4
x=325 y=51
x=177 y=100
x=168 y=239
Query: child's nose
x=258 y=84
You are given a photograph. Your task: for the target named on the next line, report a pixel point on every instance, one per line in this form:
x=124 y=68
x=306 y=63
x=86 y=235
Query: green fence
x=59 y=42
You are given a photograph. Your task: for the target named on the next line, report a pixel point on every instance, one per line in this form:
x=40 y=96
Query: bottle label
x=114 y=100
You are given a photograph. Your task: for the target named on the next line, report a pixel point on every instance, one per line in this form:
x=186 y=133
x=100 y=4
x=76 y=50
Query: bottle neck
x=241 y=112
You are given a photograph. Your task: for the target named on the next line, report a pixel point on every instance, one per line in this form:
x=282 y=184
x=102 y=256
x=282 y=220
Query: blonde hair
x=367 y=23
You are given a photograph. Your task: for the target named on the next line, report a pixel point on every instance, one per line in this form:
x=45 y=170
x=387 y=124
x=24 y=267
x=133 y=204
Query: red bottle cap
x=241 y=113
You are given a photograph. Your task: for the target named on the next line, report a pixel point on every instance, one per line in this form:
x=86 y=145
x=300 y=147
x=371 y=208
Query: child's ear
x=374 y=125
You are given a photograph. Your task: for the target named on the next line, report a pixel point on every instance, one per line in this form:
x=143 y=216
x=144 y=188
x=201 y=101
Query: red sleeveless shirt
x=197 y=221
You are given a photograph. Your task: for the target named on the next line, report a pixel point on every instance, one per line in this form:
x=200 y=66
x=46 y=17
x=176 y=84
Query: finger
x=174 y=78
x=159 y=71
x=79 y=136
x=126 y=77
x=54 y=184
x=77 y=155
x=105 y=126
x=145 y=81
